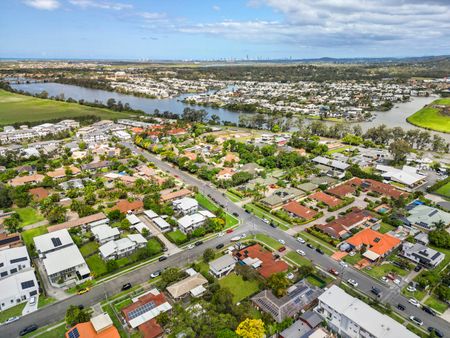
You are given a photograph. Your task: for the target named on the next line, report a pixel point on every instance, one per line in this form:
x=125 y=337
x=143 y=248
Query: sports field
x=432 y=117
x=22 y=108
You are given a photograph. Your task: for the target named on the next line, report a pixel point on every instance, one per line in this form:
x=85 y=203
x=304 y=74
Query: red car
x=282 y=249
x=334 y=272
x=229 y=231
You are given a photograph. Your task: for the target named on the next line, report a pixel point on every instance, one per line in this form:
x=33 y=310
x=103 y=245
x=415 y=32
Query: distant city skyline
x=228 y=29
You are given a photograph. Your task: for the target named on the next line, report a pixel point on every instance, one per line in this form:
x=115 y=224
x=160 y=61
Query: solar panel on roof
x=56 y=241
x=141 y=310
x=27 y=284
x=74 y=333
x=434 y=212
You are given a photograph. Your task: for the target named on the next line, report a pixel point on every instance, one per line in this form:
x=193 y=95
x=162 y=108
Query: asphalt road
x=250 y=225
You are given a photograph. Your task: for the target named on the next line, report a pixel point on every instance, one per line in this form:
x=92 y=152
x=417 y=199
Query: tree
x=439 y=238
x=251 y=328
x=115 y=215
x=75 y=315
x=12 y=223
x=5 y=197
x=57 y=215
x=278 y=283
x=208 y=255
x=112 y=265
x=399 y=150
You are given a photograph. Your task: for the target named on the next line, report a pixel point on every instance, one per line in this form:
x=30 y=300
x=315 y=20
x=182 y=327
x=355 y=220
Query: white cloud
x=216 y=8
x=43 y=4
x=117 y=6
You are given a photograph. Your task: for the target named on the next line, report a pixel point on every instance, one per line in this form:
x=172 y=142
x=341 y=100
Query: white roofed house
x=61 y=259
x=13 y=260
x=186 y=205
x=422 y=254
x=189 y=223
x=222 y=266
x=17 y=288
x=162 y=224
x=407 y=176
x=122 y=247
x=104 y=233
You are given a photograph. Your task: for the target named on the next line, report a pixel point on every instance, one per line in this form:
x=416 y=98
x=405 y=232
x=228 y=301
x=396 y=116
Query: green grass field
x=12 y=312
x=269 y=241
x=239 y=288
x=382 y=270
x=29 y=216
x=176 y=237
x=297 y=259
x=97 y=265
x=22 y=108
x=89 y=248
x=436 y=304
x=385 y=228
x=444 y=190
x=28 y=235
x=431 y=118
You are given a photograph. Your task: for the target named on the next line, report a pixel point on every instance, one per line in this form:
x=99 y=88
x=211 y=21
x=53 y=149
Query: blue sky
x=214 y=29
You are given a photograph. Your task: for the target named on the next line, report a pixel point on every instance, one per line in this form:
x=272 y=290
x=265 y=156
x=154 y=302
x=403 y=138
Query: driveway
x=50 y=290
x=172 y=248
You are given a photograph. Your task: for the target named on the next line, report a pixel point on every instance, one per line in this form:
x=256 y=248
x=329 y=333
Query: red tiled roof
x=342 y=225
x=86 y=330
x=39 y=193
x=124 y=206
x=341 y=190
x=375 y=241
x=150 y=329
x=175 y=194
x=300 y=210
x=269 y=265
x=331 y=201
x=378 y=187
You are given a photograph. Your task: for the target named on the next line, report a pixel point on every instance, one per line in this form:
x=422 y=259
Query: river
x=396 y=117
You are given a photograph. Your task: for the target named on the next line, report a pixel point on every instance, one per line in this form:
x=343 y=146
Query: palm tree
x=439 y=224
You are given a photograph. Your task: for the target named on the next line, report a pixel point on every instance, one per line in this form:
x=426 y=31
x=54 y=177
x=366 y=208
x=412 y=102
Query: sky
x=223 y=29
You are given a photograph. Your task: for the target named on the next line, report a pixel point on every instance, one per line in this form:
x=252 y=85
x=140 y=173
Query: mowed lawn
x=22 y=108
x=29 y=216
x=444 y=190
x=239 y=288
x=28 y=235
x=431 y=118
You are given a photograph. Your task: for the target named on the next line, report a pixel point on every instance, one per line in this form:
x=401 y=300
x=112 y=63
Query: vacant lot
x=28 y=235
x=28 y=216
x=22 y=108
x=431 y=117
x=239 y=288
x=444 y=190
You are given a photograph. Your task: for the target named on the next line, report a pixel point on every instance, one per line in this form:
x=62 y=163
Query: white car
x=282 y=241
x=243 y=235
x=12 y=319
x=411 y=288
x=155 y=274
x=397 y=281
x=190 y=246
x=290 y=275
x=343 y=264
x=384 y=279
x=301 y=252
x=416 y=320
x=220 y=234
x=301 y=240
x=352 y=282
x=352 y=253
x=32 y=300
x=265 y=220
x=414 y=302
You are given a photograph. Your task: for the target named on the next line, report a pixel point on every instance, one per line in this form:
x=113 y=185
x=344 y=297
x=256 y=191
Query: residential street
x=250 y=225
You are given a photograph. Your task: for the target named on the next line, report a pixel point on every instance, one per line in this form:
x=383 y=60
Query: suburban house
x=261 y=259
x=377 y=245
x=330 y=167
x=189 y=223
x=328 y=200
x=170 y=195
x=10 y=240
x=306 y=326
x=407 y=176
x=125 y=207
x=162 y=224
x=61 y=172
x=61 y=258
x=13 y=260
x=186 y=205
x=100 y=326
x=85 y=222
x=222 y=266
x=39 y=193
x=298 y=297
x=342 y=190
x=340 y=227
x=122 y=247
x=425 y=217
x=350 y=317
x=104 y=233
x=422 y=254
x=225 y=174
x=143 y=310
x=378 y=187
x=22 y=180
x=193 y=285
x=252 y=168
x=295 y=209
x=17 y=288
x=281 y=196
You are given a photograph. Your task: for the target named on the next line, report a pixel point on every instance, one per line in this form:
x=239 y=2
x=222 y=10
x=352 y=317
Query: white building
x=122 y=247
x=222 y=266
x=407 y=176
x=186 y=205
x=18 y=288
x=161 y=223
x=189 y=223
x=422 y=254
x=351 y=317
x=61 y=259
x=13 y=260
x=104 y=233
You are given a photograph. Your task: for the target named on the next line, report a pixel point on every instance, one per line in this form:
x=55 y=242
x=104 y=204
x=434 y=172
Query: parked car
x=401 y=307
x=351 y=253
x=309 y=245
x=155 y=274
x=190 y=246
x=301 y=252
x=219 y=246
x=411 y=288
x=283 y=248
x=301 y=240
x=198 y=243
x=414 y=302
x=126 y=286
x=416 y=320
x=397 y=281
x=28 y=329
x=265 y=220
x=235 y=238
x=162 y=258
x=384 y=279
x=290 y=276
x=229 y=231
x=273 y=225
x=235 y=214
x=32 y=300
x=436 y=331
x=343 y=264
x=12 y=319
x=417 y=268
x=319 y=250
x=243 y=236
x=376 y=291
x=333 y=272
x=428 y=310
x=352 y=282
x=282 y=241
